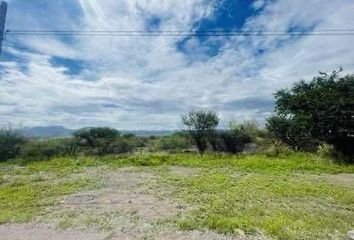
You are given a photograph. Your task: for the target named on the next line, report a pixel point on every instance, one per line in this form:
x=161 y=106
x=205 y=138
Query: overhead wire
x=178 y=33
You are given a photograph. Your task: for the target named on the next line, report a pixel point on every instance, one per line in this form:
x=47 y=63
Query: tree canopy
x=201 y=124
x=323 y=107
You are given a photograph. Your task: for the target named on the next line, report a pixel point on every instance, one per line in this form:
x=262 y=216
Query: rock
x=240 y=233
x=350 y=235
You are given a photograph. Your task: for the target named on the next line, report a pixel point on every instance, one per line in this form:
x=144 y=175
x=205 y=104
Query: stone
x=350 y=235
x=240 y=233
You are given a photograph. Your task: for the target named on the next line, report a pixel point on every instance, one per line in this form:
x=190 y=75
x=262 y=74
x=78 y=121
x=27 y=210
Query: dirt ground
x=131 y=204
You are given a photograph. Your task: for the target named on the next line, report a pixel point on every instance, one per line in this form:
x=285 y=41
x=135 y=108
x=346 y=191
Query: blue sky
x=148 y=83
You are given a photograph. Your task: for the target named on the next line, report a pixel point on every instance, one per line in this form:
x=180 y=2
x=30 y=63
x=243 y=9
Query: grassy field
x=298 y=196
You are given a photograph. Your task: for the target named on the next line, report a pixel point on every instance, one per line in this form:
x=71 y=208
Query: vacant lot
x=299 y=196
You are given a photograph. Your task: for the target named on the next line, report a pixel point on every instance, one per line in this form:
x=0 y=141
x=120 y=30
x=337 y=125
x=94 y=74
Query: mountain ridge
x=60 y=131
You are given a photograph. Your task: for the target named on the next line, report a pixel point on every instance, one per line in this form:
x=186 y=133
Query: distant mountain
x=47 y=132
x=60 y=131
x=147 y=133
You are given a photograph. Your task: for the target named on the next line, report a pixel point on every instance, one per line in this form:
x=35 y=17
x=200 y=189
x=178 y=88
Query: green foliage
x=174 y=143
x=68 y=147
x=99 y=140
x=10 y=143
x=292 y=133
x=125 y=144
x=322 y=108
x=251 y=128
x=216 y=141
x=40 y=150
x=235 y=140
x=201 y=125
x=278 y=150
x=291 y=162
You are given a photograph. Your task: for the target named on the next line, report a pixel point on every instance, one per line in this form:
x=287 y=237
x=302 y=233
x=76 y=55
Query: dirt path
x=130 y=205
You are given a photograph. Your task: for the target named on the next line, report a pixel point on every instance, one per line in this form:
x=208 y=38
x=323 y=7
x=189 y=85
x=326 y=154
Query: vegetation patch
x=26 y=192
x=286 y=206
x=295 y=196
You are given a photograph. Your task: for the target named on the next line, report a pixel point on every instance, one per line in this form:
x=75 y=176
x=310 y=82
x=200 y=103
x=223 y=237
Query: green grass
x=294 y=162
x=285 y=207
x=26 y=192
x=289 y=197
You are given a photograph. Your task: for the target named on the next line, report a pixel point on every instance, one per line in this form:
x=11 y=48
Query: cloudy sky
x=148 y=82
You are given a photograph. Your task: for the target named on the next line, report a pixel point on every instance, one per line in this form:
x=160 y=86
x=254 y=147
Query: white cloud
x=146 y=83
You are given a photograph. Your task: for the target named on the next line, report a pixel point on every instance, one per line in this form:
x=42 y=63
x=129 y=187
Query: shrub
x=251 y=128
x=201 y=125
x=278 y=150
x=40 y=150
x=329 y=151
x=216 y=141
x=235 y=140
x=97 y=140
x=11 y=142
x=68 y=147
x=291 y=132
x=323 y=109
x=124 y=145
x=174 y=143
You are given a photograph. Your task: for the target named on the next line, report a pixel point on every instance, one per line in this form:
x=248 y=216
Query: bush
x=291 y=132
x=174 y=143
x=329 y=151
x=201 y=125
x=278 y=150
x=216 y=141
x=11 y=142
x=251 y=128
x=40 y=150
x=124 y=145
x=68 y=147
x=235 y=140
x=322 y=109
x=97 y=140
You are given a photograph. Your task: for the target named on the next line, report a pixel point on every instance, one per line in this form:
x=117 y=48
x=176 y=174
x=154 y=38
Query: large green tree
x=201 y=126
x=324 y=107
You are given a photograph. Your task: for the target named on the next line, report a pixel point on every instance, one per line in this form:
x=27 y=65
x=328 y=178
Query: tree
x=292 y=133
x=100 y=139
x=324 y=107
x=201 y=125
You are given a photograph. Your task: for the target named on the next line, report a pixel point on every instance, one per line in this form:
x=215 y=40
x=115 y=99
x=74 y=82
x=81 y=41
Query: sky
x=147 y=83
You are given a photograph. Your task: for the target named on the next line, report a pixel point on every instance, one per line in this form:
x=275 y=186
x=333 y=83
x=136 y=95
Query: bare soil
x=131 y=204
